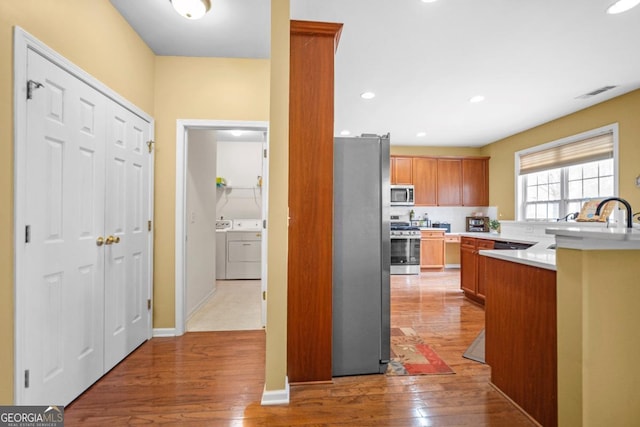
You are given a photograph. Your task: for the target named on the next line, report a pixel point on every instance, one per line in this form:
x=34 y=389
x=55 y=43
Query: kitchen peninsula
x=561 y=328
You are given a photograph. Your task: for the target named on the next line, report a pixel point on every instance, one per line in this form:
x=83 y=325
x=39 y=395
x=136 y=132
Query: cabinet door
x=468 y=268
x=432 y=252
x=401 y=170
x=425 y=178
x=475 y=185
x=481 y=267
x=449 y=182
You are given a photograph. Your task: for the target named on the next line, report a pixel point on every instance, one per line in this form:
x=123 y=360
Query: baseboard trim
x=164 y=332
x=276 y=397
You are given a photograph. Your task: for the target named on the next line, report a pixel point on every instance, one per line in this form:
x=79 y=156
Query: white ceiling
x=530 y=59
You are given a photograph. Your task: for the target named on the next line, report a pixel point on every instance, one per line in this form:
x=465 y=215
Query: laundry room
x=224 y=229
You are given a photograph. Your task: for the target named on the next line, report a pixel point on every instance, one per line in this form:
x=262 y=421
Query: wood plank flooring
x=216 y=378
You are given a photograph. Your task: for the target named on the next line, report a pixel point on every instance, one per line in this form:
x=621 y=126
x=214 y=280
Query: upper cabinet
x=449 y=182
x=475 y=182
x=401 y=170
x=425 y=178
x=444 y=181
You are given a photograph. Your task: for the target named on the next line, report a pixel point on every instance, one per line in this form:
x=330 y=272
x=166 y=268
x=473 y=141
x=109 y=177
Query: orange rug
x=411 y=356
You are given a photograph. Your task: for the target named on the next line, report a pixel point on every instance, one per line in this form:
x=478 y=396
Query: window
x=555 y=179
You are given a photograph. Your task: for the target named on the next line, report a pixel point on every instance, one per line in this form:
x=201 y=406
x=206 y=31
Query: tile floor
x=234 y=306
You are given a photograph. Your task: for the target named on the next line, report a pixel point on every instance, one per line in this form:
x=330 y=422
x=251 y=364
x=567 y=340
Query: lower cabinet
x=432 y=250
x=473 y=267
x=521 y=337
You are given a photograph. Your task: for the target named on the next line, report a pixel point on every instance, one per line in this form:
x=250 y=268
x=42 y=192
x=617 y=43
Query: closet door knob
x=100 y=241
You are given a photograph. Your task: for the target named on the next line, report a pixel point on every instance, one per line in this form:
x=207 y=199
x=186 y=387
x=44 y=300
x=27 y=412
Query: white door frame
x=182 y=126
x=23 y=41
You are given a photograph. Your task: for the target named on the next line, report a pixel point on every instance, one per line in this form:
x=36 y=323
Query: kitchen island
x=598 y=290
x=521 y=338
x=561 y=326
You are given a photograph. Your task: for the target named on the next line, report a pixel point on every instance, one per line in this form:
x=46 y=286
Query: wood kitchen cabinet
x=432 y=250
x=475 y=182
x=309 y=290
x=401 y=170
x=521 y=336
x=425 y=178
x=449 y=182
x=444 y=181
x=473 y=267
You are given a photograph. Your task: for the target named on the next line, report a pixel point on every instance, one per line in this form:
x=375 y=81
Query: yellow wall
x=94 y=36
x=193 y=88
x=276 y=352
x=598 y=340
x=452 y=253
x=625 y=110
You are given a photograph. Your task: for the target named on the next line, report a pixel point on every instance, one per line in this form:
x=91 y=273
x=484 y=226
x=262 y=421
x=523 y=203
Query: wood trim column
x=310 y=263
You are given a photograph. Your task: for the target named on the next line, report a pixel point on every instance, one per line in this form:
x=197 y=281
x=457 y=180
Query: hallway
x=217 y=378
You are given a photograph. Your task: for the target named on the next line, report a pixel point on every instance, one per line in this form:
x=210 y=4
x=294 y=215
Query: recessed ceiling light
x=367 y=95
x=345 y=133
x=476 y=99
x=428 y=1
x=236 y=132
x=622 y=6
x=421 y=134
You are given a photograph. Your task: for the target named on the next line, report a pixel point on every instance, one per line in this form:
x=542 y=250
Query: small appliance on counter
x=442 y=224
x=477 y=224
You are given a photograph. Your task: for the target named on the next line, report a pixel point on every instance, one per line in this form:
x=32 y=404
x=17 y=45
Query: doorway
x=205 y=191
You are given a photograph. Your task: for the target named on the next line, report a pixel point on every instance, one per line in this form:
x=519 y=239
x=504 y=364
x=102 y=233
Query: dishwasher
x=501 y=245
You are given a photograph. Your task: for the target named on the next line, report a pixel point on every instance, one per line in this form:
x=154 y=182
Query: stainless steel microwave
x=402 y=195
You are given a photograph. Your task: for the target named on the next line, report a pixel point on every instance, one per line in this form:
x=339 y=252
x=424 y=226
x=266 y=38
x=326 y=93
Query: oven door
x=405 y=250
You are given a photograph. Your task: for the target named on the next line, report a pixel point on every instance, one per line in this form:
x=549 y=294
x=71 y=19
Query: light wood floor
x=217 y=378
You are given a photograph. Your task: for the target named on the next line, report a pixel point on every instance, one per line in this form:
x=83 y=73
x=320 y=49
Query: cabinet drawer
x=451 y=239
x=432 y=233
x=468 y=241
x=485 y=244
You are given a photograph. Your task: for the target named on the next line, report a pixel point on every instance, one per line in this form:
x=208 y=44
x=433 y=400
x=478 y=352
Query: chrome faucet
x=626 y=204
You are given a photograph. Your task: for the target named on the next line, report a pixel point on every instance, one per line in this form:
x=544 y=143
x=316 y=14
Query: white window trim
x=519 y=182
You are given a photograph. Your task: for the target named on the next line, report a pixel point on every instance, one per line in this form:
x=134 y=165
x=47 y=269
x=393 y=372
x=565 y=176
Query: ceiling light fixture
x=367 y=95
x=476 y=99
x=236 y=132
x=428 y=1
x=191 y=9
x=345 y=133
x=622 y=6
x=421 y=134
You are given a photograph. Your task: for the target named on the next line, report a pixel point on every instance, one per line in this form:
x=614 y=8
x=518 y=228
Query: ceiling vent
x=595 y=92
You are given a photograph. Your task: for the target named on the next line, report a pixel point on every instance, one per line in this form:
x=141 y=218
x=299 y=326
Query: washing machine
x=222 y=227
x=244 y=249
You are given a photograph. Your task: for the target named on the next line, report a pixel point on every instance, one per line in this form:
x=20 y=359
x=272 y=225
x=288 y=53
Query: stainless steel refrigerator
x=361 y=255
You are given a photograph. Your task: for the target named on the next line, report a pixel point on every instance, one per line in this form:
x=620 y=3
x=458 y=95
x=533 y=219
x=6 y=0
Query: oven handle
x=405 y=237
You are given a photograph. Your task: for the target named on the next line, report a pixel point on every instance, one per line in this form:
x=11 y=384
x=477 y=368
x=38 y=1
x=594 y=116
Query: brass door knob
x=100 y=241
x=110 y=240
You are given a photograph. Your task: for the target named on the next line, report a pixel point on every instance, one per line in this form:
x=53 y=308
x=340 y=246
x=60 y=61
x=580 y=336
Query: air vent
x=595 y=92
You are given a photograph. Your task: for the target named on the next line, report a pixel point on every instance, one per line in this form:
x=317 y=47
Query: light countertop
x=596 y=239
x=542 y=258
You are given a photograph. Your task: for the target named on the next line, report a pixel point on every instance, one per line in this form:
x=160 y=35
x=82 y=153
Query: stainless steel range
x=405 y=248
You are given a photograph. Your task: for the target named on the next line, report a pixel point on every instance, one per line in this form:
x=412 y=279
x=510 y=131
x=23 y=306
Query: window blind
x=586 y=150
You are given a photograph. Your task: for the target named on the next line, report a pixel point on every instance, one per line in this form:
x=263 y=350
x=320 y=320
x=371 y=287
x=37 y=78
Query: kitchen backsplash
x=454 y=215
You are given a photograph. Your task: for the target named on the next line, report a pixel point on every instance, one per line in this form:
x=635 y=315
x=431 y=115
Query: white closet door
x=127 y=213
x=64 y=275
